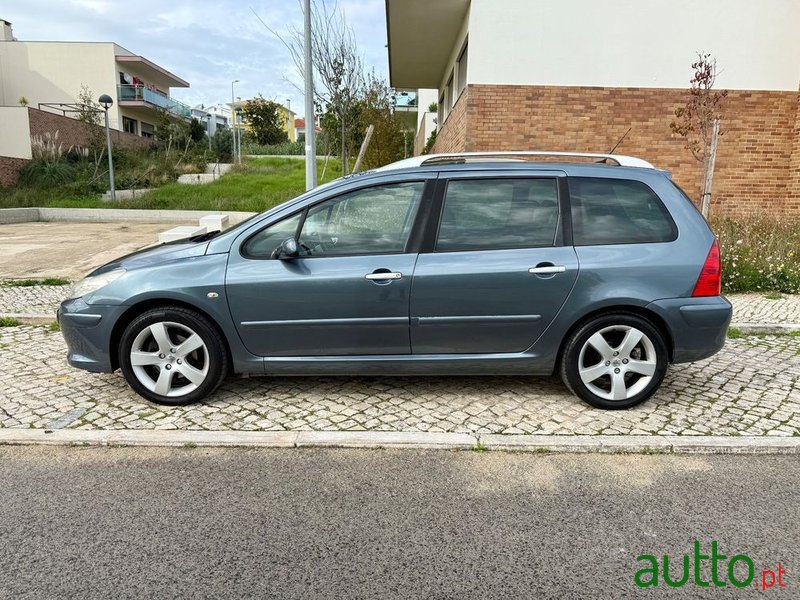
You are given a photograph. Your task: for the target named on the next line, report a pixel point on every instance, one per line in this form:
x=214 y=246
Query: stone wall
x=758 y=162
x=9 y=170
x=72 y=132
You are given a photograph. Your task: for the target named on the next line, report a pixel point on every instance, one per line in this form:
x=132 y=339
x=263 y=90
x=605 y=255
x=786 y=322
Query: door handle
x=548 y=270
x=385 y=276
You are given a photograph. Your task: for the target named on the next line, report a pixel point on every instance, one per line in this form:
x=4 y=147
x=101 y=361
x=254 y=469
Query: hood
x=161 y=253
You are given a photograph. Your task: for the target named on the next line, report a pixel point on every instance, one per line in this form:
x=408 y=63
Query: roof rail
x=418 y=161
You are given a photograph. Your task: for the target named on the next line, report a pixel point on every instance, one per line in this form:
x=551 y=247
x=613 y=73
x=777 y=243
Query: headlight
x=92 y=284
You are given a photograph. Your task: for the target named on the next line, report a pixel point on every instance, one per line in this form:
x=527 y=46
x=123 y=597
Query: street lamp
x=106 y=102
x=233 y=119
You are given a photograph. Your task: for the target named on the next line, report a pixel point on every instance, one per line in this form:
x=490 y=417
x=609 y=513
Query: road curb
x=766 y=328
x=30 y=318
x=394 y=439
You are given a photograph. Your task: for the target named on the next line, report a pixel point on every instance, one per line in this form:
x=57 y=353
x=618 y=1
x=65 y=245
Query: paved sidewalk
x=751 y=388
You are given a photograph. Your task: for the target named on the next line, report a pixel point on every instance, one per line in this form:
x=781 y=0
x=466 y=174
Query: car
x=594 y=267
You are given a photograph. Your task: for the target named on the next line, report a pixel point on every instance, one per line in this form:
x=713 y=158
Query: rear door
x=495 y=271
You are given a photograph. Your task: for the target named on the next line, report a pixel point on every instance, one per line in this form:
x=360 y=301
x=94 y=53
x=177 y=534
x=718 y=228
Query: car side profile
x=480 y=263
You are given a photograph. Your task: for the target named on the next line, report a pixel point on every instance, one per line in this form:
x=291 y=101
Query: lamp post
x=233 y=119
x=311 y=143
x=106 y=102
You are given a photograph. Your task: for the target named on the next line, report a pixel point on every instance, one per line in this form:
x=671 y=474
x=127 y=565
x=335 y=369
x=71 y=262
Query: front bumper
x=698 y=326
x=87 y=330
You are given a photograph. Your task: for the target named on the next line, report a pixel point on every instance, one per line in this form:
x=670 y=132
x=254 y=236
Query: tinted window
x=375 y=220
x=617 y=211
x=488 y=214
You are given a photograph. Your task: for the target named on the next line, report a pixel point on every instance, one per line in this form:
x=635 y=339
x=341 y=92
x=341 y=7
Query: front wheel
x=173 y=356
x=615 y=361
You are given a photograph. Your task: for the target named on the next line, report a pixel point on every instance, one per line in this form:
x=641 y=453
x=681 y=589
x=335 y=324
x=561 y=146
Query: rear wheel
x=173 y=356
x=615 y=361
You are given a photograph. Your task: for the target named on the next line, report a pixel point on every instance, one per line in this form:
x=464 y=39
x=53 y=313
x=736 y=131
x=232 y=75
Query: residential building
x=286 y=114
x=51 y=74
x=300 y=127
x=578 y=74
x=213 y=118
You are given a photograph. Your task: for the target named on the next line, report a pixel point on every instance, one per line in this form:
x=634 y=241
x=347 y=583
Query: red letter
x=781 y=571
x=764 y=584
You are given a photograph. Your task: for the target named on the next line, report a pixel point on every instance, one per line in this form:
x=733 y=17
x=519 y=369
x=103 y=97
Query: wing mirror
x=287 y=249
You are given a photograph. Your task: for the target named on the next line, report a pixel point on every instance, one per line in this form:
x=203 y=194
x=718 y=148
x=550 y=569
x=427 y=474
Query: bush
x=44 y=172
x=297 y=148
x=759 y=255
x=222 y=145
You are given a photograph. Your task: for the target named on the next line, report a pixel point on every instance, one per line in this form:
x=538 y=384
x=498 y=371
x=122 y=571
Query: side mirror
x=287 y=249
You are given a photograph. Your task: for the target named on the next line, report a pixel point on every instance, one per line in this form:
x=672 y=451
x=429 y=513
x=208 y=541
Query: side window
x=262 y=244
x=617 y=211
x=492 y=214
x=375 y=220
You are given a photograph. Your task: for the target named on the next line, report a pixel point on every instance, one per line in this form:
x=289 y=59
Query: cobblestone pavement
x=751 y=388
x=37 y=300
x=747 y=308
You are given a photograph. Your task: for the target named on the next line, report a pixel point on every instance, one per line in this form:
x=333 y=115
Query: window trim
x=411 y=246
x=664 y=210
x=434 y=225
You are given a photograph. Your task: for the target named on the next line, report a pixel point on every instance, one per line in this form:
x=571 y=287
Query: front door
x=497 y=274
x=347 y=291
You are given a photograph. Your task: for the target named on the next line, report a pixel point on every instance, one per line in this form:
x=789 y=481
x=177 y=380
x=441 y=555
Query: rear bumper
x=87 y=331
x=698 y=326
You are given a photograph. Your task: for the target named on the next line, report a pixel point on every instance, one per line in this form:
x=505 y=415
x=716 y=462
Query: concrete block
x=214 y=222
x=197 y=178
x=181 y=232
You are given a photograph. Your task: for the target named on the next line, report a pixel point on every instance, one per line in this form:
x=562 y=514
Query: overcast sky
x=207 y=43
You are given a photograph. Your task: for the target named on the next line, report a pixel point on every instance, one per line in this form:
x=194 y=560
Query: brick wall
x=72 y=132
x=9 y=170
x=757 y=162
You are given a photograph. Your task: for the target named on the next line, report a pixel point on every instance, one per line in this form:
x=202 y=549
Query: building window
x=448 y=95
x=461 y=71
x=129 y=125
x=440 y=112
x=147 y=130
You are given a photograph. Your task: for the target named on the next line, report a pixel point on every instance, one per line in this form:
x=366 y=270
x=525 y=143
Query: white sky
x=207 y=43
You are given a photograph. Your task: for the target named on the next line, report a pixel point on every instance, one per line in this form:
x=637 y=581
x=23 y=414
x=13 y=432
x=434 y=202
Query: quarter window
x=491 y=214
x=617 y=211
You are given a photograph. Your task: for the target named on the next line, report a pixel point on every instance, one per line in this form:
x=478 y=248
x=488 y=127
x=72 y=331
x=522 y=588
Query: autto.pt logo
x=706 y=567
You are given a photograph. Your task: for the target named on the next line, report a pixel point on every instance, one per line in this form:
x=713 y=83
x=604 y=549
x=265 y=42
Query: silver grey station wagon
x=602 y=272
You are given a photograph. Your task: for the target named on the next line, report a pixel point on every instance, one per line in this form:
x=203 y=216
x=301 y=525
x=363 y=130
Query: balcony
x=140 y=95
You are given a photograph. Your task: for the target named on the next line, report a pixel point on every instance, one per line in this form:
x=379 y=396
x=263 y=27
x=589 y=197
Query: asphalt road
x=235 y=523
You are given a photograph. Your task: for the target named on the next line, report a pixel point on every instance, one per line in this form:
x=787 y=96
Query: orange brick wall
x=757 y=162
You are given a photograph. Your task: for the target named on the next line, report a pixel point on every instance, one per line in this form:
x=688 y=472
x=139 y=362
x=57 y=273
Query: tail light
x=710 y=281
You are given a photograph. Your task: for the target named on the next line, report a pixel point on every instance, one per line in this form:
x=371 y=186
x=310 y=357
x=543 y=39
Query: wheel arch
x=142 y=307
x=654 y=318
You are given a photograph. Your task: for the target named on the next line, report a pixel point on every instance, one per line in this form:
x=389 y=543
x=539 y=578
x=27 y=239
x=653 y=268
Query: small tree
x=698 y=121
x=266 y=121
x=377 y=109
x=196 y=131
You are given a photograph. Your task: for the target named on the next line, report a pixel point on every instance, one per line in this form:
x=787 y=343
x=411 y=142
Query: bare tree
x=338 y=69
x=698 y=121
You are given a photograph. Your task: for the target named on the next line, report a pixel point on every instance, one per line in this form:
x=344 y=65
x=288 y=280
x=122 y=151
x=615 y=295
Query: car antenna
x=616 y=145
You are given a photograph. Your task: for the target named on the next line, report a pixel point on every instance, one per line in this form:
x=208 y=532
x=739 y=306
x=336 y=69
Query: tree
x=196 y=131
x=698 y=121
x=265 y=120
x=377 y=109
x=338 y=70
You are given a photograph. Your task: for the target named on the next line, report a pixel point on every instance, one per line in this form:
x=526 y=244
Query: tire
x=593 y=372
x=173 y=356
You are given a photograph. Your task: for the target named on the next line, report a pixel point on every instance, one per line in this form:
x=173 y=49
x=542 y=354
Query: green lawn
x=256 y=185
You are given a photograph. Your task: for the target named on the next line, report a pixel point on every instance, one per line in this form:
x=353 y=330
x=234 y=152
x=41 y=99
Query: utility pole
x=233 y=123
x=311 y=133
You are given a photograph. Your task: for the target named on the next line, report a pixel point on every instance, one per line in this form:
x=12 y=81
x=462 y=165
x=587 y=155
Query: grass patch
x=254 y=186
x=9 y=322
x=189 y=445
x=54 y=326
x=35 y=282
x=478 y=447
x=773 y=296
x=734 y=333
x=759 y=255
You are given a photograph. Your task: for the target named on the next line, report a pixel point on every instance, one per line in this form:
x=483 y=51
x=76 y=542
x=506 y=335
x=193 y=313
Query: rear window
x=617 y=211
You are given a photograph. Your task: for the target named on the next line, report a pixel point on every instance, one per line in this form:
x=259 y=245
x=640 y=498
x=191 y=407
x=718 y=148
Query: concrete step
x=181 y=232
x=214 y=222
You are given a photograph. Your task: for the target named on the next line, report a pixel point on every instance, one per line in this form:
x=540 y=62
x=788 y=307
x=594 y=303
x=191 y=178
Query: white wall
x=634 y=43
x=15 y=132
x=54 y=72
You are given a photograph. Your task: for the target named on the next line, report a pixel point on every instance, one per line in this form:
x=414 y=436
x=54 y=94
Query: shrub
x=44 y=172
x=759 y=254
